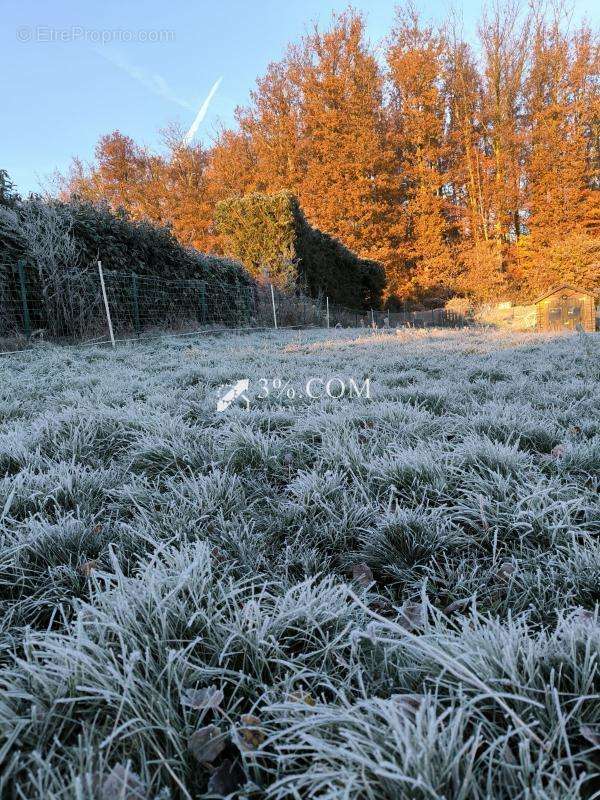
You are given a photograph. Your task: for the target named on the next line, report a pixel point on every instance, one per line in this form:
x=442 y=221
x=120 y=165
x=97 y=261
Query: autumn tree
x=185 y=197
x=125 y=176
x=487 y=145
x=346 y=160
x=417 y=114
x=273 y=123
x=465 y=169
x=562 y=167
x=478 y=271
x=316 y=126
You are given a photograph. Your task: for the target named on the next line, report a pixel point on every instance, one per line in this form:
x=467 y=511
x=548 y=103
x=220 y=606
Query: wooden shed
x=565 y=307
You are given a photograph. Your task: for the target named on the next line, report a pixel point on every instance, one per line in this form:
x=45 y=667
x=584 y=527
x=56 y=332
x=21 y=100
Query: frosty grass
x=392 y=597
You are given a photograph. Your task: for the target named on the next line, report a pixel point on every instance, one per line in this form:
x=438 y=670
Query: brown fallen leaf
x=87 y=567
x=250 y=734
x=591 y=733
x=362 y=574
x=382 y=606
x=558 y=451
x=408 y=703
x=124 y=784
x=582 y=616
x=457 y=604
x=412 y=615
x=227 y=778
x=207 y=743
x=302 y=697
x=505 y=570
x=211 y=697
x=509 y=756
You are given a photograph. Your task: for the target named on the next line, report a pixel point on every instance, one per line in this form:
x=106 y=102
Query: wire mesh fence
x=75 y=307
x=437 y=317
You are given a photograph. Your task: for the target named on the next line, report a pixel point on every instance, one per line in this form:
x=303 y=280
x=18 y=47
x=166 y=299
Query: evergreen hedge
x=270 y=235
x=123 y=245
x=60 y=243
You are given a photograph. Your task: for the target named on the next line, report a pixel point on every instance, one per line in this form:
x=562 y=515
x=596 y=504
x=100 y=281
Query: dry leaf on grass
x=87 y=567
x=228 y=777
x=218 y=555
x=362 y=574
x=211 y=697
x=302 y=697
x=408 y=703
x=123 y=784
x=505 y=570
x=250 y=735
x=581 y=616
x=382 y=606
x=457 y=605
x=557 y=452
x=591 y=733
x=207 y=743
x=412 y=615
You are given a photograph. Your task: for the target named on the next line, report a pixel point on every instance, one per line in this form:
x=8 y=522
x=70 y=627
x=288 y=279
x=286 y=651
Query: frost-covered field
x=391 y=597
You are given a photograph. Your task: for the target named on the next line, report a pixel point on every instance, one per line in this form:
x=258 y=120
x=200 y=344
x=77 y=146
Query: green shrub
x=270 y=235
x=126 y=245
x=61 y=242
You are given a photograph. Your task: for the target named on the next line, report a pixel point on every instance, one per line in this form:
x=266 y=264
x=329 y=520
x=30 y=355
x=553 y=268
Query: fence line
x=74 y=307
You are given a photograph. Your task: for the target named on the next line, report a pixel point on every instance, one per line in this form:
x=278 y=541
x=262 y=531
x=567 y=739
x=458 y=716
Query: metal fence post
x=106 y=307
x=25 y=306
x=274 y=311
x=136 y=302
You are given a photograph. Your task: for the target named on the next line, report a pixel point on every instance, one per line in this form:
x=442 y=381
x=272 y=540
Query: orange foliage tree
x=418 y=121
x=464 y=170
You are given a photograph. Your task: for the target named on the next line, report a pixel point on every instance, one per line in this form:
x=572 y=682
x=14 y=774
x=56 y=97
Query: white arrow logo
x=232 y=395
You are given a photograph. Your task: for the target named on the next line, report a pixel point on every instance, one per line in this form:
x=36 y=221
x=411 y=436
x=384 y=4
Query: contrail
x=152 y=81
x=201 y=113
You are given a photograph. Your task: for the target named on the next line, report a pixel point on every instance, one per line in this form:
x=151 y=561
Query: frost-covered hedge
x=270 y=235
x=79 y=233
x=61 y=243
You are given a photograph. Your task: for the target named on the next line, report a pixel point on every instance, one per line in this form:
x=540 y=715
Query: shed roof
x=561 y=288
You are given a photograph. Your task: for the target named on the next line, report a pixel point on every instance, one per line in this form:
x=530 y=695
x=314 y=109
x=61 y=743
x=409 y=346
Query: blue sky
x=73 y=71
